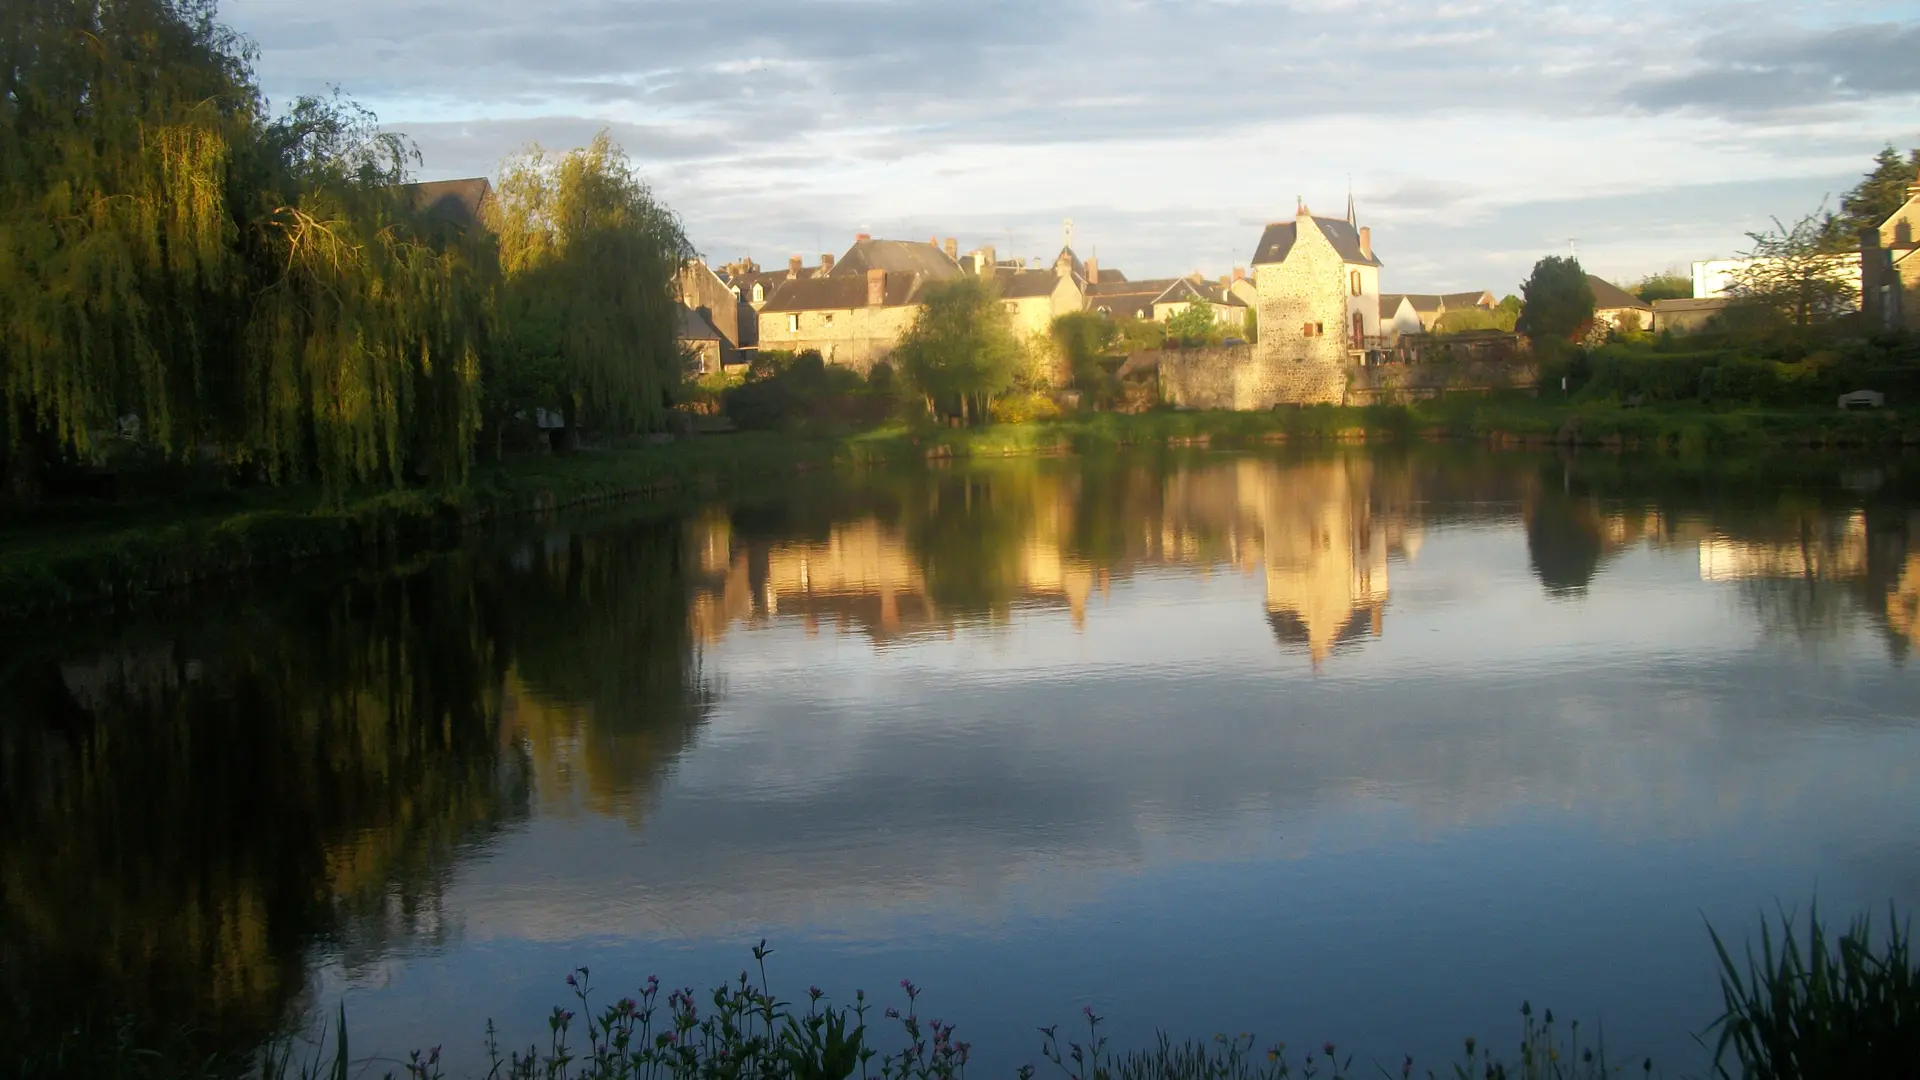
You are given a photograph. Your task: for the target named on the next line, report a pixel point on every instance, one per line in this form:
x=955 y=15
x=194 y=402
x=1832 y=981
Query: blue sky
x=1478 y=135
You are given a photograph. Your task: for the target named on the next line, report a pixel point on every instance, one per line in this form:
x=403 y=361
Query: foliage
x=1193 y=325
x=1557 y=301
x=794 y=389
x=1791 y=278
x=1872 y=201
x=1669 y=285
x=1137 y=335
x=1252 y=328
x=590 y=261
x=961 y=347
x=1024 y=407
x=1810 y=1010
x=1470 y=319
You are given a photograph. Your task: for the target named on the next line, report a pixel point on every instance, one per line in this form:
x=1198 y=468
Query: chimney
x=1093 y=271
x=953 y=249
x=1225 y=280
x=1869 y=238
x=933 y=241
x=861 y=238
x=1239 y=273
x=793 y=267
x=876 y=287
x=1366 y=241
x=987 y=265
x=826 y=264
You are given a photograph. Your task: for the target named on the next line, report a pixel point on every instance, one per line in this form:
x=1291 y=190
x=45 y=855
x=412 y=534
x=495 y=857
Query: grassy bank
x=80 y=555
x=1804 y=1005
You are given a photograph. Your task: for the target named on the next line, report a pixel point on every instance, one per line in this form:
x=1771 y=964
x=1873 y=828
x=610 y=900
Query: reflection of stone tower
x=1325 y=553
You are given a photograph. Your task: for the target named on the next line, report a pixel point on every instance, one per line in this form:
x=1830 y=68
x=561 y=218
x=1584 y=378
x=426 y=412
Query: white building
x=1713 y=277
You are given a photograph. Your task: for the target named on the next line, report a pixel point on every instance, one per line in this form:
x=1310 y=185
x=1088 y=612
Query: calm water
x=1367 y=747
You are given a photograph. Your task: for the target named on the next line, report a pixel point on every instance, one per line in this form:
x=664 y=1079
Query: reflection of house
x=1617 y=307
x=1837 y=550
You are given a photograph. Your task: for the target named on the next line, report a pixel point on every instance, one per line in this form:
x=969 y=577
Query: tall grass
x=1809 y=1009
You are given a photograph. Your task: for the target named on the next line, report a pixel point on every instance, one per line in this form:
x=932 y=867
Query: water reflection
x=647 y=727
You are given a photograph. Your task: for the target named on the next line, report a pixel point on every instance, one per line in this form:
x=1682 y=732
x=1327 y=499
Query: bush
x=1024 y=407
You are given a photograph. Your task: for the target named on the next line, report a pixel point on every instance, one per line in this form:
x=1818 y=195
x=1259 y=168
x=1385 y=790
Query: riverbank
x=76 y=557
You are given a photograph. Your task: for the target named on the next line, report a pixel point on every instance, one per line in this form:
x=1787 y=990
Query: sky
x=1474 y=137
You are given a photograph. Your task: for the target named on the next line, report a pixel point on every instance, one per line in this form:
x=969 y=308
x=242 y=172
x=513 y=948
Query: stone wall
x=1398 y=383
x=1221 y=377
x=856 y=338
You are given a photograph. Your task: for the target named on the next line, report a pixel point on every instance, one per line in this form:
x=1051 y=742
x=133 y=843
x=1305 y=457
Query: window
x=827 y=318
x=793 y=320
x=1359 y=330
x=1312 y=329
x=735 y=290
x=759 y=292
x=1353 y=282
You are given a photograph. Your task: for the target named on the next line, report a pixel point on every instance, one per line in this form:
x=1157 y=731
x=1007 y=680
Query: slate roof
x=841 y=292
x=1184 y=290
x=694 y=326
x=896 y=257
x=1278 y=240
x=1459 y=301
x=772 y=279
x=1390 y=303
x=1127 y=298
x=1607 y=296
x=1025 y=284
x=456 y=200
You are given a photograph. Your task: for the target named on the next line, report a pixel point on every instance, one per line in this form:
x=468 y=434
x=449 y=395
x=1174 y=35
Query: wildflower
x=893 y=1013
x=814 y=992
x=433 y=1056
x=572 y=981
x=1586 y=1056
x=1549 y=1016
x=1526 y=1008
x=1327 y=1048
x=1647 y=1066
x=1406 y=1067
x=1469 y=1046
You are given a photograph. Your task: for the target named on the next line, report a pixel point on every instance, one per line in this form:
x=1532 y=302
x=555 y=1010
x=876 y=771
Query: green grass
x=116 y=553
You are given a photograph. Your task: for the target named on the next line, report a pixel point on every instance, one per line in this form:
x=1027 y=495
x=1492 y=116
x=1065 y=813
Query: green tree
x=177 y=268
x=589 y=260
x=961 y=347
x=1193 y=324
x=1668 y=285
x=1557 y=301
x=1872 y=201
x=1791 y=278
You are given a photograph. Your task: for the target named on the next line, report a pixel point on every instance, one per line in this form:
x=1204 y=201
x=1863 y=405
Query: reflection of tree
x=968 y=529
x=1565 y=542
x=179 y=820
x=605 y=685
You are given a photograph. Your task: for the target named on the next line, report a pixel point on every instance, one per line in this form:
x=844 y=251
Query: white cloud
x=1168 y=131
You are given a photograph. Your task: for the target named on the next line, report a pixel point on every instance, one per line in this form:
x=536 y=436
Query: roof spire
x=1352 y=219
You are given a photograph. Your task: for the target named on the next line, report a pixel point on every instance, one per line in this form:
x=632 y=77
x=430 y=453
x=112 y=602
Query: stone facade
x=1319 y=290
x=702 y=291
x=1898 y=304
x=1221 y=377
x=851 y=321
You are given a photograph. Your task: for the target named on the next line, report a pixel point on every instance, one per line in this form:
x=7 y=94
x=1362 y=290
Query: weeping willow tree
x=364 y=333
x=118 y=123
x=588 y=259
x=178 y=270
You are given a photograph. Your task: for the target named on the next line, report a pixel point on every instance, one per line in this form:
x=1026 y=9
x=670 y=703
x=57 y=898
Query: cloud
x=1744 y=76
x=1166 y=127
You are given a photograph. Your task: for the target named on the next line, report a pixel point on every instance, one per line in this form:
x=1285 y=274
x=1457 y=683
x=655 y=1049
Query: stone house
x=1125 y=299
x=1890 y=270
x=704 y=292
x=704 y=342
x=1034 y=298
x=1399 y=316
x=855 y=309
x=1319 y=287
x=1617 y=307
x=1229 y=308
x=1684 y=316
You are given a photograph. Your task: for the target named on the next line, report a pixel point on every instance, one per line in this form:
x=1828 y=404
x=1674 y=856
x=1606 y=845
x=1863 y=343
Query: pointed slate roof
x=841 y=292
x=896 y=257
x=1278 y=240
x=1186 y=290
x=454 y=200
x=1607 y=296
x=1025 y=284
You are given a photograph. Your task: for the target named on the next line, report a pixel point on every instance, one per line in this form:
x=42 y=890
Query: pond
x=1366 y=746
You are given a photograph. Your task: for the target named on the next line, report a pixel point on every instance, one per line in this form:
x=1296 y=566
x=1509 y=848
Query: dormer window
x=735 y=290
x=759 y=292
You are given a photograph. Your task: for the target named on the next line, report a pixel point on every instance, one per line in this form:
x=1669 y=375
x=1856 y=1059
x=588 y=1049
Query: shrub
x=1024 y=407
